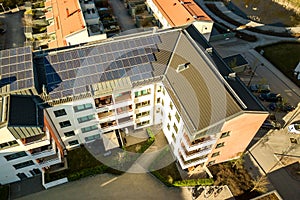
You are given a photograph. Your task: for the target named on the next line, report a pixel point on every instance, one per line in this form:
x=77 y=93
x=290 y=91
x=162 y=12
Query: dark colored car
x=281 y=107
x=271 y=124
x=260 y=88
x=270 y=97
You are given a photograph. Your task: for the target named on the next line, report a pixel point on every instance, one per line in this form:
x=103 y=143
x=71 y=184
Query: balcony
x=36 y=141
x=125 y=96
x=197 y=144
x=191 y=163
x=107 y=126
x=103 y=101
x=106 y=114
x=42 y=154
x=193 y=154
x=125 y=109
x=125 y=120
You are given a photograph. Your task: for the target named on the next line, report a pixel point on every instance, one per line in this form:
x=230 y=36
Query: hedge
x=194 y=182
x=87 y=172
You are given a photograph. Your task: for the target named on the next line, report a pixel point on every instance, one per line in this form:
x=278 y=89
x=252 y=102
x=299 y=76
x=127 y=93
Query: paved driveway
x=14 y=35
x=107 y=186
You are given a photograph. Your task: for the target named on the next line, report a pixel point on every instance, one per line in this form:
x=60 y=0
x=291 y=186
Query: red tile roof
x=179 y=13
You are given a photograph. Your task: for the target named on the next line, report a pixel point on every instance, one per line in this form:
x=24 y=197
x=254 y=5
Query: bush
x=194 y=182
x=162 y=179
x=87 y=172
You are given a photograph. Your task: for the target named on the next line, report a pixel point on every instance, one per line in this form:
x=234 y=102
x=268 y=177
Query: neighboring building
x=177 y=13
x=28 y=142
x=172 y=78
x=72 y=22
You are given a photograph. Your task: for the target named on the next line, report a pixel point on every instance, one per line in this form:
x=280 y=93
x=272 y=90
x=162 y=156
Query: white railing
x=191 y=164
x=48 y=163
x=43 y=154
x=191 y=147
x=194 y=155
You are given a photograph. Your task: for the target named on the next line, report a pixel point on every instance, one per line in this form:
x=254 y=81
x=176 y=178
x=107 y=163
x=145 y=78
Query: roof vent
x=209 y=50
x=231 y=76
x=182 y=67
x=174 y=4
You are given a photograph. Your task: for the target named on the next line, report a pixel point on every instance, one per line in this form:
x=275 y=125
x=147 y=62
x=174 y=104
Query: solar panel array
x=71 y=72
x=16 y=68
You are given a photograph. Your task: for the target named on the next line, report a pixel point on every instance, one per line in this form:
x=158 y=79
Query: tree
x=260 y=184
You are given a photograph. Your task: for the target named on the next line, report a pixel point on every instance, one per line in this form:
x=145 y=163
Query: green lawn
x=284 y=56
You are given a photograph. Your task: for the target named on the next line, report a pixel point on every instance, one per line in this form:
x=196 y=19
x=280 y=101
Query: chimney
x=68 y=14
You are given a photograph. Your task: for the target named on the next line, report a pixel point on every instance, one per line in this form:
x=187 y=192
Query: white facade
x=136 y=109
x=26 y=159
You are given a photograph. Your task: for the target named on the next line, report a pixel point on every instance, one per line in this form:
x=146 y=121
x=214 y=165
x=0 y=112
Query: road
x=107 y=186
x=14 y=35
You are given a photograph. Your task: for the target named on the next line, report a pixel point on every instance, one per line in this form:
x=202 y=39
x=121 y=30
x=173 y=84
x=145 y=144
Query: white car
x=294 y=128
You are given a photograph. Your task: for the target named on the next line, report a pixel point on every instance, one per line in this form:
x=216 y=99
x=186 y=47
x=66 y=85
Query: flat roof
x=68 y=19
x=24 y=111
x=179 y=13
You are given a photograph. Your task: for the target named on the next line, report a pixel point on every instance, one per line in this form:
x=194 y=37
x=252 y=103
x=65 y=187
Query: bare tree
x=260 y=184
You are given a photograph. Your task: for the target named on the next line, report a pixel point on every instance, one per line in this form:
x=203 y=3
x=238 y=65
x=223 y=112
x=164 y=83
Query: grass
x=168 y=175
x=78 y=160
x=284 y=56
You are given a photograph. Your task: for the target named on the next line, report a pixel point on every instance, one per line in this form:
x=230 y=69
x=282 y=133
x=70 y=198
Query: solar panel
x=103 y=62
x=16 y=65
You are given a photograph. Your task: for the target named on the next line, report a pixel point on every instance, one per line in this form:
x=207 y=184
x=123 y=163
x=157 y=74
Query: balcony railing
x=196 y=153
x=104 y=101
x=188 y=164
x=50 y=162
x=125 y=97
x=106 y=114
x=190 y=146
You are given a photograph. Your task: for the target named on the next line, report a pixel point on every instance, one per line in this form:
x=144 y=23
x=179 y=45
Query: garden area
x=235 y=176
x=284 y=56
x=81 y=163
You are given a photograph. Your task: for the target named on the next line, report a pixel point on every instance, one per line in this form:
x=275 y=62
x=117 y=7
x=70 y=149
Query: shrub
x=194 y=182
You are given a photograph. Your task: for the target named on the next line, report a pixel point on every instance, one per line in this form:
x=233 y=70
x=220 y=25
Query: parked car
x=270 y=97
x=261 y=88
x=294 y=127
x=281 y=107
x=271 y=124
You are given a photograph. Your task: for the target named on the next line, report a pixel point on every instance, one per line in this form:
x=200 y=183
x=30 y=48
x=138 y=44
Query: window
x=60 y=112
x=23 y=164
x=15 y=155
x=92 y=137
x=143 y=114
x=83 y=107
x=162 y=102
x=168 y=126
x=174 y=137
x=69 y=134
x=8 y=144
x=225 y=134
x=86 y=118
x=215 y=154
x=159 y=89
x=73 y=142
x=89 y=128
x=158 y=100
x=142 y=92
x=164 y=92
x=143 y=123
x=220 y=145
x=65 y=124
x=171 y=105
x=175 y=128
x=169 y=116
x=177 y=117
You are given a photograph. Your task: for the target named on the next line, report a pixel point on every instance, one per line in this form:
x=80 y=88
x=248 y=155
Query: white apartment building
x=172 y=78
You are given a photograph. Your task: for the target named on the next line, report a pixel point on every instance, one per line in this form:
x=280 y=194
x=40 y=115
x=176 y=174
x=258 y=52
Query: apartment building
x=72 y=22
x=172 y=78
x=177 y=13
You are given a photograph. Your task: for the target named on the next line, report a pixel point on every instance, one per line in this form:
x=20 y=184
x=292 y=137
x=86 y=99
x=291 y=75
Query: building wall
x=151 y=6
x=204 y=27
x=72 y=117
x=83 y=37
x=241 y=131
